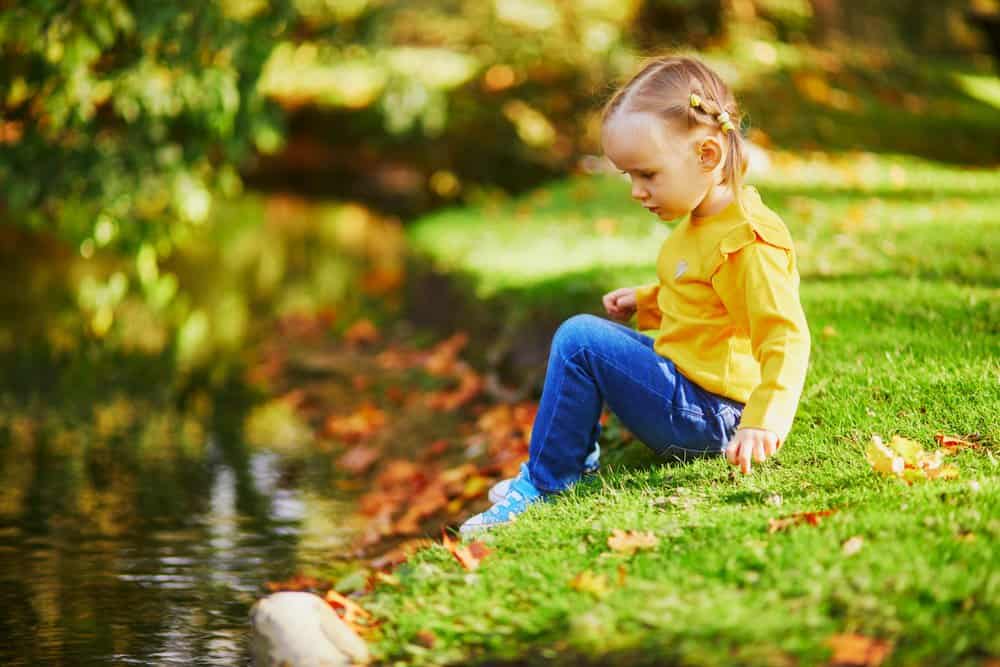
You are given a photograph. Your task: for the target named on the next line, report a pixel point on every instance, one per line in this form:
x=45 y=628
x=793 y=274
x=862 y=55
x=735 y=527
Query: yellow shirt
x=726 y=311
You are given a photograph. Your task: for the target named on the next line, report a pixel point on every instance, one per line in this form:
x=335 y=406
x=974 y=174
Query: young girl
x=724 y=373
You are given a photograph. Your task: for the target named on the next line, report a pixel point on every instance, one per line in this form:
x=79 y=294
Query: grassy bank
x=898 y=258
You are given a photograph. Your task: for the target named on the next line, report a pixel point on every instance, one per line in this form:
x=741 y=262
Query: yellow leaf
x=588 y=582
x=910 y=451
x=883 y=459
x=907 y=460
x=630 y=541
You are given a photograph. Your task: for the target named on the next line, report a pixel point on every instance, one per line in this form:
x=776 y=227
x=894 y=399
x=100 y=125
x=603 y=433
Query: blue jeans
x=592 y=361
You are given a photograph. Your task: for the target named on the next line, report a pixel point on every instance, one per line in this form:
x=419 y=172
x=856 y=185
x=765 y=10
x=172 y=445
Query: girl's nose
x=638 y=192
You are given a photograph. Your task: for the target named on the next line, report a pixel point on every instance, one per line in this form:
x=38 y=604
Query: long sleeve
x=758 y=285
x=648 y=314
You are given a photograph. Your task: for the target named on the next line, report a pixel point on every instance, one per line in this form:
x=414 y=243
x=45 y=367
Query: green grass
x=900 y=286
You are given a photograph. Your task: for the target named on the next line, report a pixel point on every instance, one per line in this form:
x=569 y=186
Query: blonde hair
x=663 y=87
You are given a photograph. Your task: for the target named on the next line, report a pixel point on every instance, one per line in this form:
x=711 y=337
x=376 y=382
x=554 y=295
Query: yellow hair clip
x=695 y=100
x=725 y=121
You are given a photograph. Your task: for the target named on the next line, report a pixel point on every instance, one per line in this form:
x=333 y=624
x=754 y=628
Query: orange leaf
x=350 y=606
x=362 y=423
x=469 y=556
x=428 y=502
x=361 y=332
x=952 y=443
x=382 y=279
x=358 y=459
x=357 y=618
x=851 y=650
x=811 y=518
x=441 y=359
x=297 y=582
x=588 y=582
x=630 y=541
x=400 y=554
x=470 y=385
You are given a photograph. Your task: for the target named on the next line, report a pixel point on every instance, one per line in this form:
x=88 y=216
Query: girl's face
x=670 y=172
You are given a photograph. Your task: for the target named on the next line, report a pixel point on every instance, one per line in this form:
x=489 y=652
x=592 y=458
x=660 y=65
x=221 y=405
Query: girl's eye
x=641 y=174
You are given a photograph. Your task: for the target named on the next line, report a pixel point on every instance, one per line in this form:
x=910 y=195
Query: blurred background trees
x=124 y=124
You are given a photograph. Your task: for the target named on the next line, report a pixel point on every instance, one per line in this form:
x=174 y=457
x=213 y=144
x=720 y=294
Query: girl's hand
x=755 y=443
x=620 y=303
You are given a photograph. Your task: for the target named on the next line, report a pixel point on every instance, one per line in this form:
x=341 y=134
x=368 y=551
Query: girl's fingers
x=758 y=451
x=732 y=452
x=770 y=446
x=746 y=451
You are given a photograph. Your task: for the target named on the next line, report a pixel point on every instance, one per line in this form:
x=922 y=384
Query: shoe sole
x=477 y=529
x=494 y=497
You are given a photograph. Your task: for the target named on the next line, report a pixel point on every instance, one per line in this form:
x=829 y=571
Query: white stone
x=301 y=630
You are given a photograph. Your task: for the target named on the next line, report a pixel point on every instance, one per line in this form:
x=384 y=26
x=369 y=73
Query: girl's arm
x=758 y=285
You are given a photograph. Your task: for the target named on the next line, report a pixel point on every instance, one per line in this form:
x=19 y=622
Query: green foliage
x=120 y=118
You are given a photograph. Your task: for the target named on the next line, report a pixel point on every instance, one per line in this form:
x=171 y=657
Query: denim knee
x=573 y=333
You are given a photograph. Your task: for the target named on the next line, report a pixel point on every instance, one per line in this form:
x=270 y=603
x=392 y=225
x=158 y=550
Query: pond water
x=154 y=587
x=137 y=525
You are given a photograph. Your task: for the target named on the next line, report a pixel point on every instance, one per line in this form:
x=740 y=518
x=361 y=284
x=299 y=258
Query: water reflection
x=137 y=526
x=175 y=592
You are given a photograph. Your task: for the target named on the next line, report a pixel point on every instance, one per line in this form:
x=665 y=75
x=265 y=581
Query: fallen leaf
x=588 y=582
x=361 y=332
x=442 y=358
x=853 y=545
x=350 y=611
x=362 y=423
x=428 y=502
x=470 y=385
x=399 y=555
x=850 y=650
x=905 y=459
x=811 y=518
x=469 y=556
x=630 y=541
x=398 y=471
x=357 y=460
x=426 y=638
x=297 y=582
x=882 y=459
x=435 y=449
x=479 y=550
x=381 y=280
x=953 y=444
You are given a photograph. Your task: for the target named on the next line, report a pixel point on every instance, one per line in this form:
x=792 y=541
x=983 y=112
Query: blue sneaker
x=520 y=494
x=499 y=490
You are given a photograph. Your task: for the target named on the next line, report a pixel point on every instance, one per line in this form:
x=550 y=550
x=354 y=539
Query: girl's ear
x=709 y=153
